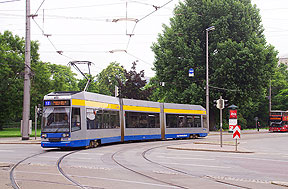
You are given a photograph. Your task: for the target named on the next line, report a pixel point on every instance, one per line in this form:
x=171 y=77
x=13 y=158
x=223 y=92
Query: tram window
x=142 y=120
x=132 y=120
x=103 y=119
x=171 y=120
x=182 y=121
x=90 y=119
x=114 y=118
x=197 y=121
x=76 y=121
x=190 y=121
x=106 y=120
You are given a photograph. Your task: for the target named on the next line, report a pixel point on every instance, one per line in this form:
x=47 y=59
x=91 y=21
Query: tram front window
x=55 y=119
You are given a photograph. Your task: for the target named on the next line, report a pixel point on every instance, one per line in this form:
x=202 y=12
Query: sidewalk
x=210 y=146
x=254 y=131
x=18 y=140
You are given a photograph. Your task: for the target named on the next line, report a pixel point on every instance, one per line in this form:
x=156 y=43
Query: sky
x=97 y=31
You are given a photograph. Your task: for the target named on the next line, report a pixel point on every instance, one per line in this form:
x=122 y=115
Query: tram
x=81 y=119
x=278 y=121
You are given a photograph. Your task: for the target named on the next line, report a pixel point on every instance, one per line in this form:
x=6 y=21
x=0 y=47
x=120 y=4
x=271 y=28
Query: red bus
x=278 y=121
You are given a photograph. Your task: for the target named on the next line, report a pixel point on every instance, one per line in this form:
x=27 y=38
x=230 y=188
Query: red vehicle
x=278 y=121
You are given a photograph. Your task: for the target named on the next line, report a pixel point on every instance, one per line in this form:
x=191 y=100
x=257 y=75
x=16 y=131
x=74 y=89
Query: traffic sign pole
x=236 y=134
x=221 y=121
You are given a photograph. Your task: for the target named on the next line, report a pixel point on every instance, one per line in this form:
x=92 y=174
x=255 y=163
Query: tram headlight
x=65 y=135
x=44 y=135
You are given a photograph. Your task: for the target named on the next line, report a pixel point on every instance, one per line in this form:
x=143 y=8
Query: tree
x=240 y=61
x=110 y=77
x=62 y=78
x=45 y=77
x=11 y=76
x=133 y=87
x=279 y=83
x=92 y=87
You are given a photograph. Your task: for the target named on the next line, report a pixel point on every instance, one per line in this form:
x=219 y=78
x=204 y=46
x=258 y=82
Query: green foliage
x=279 y=88
x=134 y=85
x=108 y=78
x=240 y=61
x=11 y=72
x=16 y=132
x=62 y=78
x=45 y=77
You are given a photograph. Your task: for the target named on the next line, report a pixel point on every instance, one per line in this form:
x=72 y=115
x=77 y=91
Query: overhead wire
x=133 y=30
x=39 y=7
x=9 y=1
x=61 y=52
x=57 y=51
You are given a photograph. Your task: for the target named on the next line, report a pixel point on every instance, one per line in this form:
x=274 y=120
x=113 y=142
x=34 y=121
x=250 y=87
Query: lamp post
x=207 y=74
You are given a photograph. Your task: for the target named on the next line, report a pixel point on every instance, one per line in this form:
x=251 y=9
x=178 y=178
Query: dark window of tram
x=142 y=120
x=102 y=119
x=182 y=121
x=76 y=121
x=197 y=121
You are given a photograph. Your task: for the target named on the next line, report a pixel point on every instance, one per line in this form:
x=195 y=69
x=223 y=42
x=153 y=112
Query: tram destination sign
x=56 y=102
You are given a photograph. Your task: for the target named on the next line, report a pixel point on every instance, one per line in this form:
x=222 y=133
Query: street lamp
x=207 y=73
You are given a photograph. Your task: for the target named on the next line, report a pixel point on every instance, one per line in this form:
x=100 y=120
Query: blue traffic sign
x=191 y=72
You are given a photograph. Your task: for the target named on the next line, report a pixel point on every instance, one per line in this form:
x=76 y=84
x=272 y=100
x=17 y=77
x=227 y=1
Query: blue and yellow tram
x=78 y=119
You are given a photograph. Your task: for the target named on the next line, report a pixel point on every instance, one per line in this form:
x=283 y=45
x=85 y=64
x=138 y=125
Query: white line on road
x=198 y=165
x=261 y=159
x=185 y=158
x=100 y=178
x=7 y=150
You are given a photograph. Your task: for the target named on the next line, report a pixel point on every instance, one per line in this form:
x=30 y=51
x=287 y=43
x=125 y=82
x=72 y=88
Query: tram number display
x=57 y=103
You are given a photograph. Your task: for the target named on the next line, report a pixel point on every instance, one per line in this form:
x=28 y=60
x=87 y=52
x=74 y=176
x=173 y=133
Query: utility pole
x=270 y=97
x=27 y=71
x=207 y=75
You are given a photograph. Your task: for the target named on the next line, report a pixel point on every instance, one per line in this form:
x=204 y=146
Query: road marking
x=82 y=153
x=7 y=150
x=100 y=178
x=185 y=158
x=198 y=165
x=277 y=160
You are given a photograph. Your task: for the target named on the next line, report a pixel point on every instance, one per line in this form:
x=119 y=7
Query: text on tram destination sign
x=57 y=103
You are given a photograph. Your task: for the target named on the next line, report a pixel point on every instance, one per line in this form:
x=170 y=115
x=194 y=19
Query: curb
x=208 y=150
x=20 y=142
x=280 y=183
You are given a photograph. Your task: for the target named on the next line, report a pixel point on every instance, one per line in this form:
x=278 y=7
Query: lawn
x=15 y=132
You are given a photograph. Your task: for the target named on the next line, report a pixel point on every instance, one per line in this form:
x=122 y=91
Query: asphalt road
x=150 y=165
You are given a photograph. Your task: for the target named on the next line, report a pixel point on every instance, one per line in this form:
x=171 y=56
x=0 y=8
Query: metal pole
x=236 y=145
x=207 y=80
x=270 y=95
x=207 y=75
x=36 y=108
x=26 y=96
x=221 y=124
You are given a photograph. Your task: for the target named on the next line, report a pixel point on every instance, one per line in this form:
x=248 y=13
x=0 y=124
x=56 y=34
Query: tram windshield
x=56 y=119
x=276 y=124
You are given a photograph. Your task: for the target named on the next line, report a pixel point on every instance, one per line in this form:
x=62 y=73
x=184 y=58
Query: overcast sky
x=85 y=30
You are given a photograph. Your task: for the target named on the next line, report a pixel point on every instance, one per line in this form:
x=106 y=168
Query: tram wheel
x=194 y=136
x=93 y=144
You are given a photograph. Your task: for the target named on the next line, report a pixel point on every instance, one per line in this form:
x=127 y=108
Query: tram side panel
x=141 y=120
x=184 y=121
x=102 y=117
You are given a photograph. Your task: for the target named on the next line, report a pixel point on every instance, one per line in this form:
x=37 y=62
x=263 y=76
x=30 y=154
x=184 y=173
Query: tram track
x=186 y=173
x=116 y=158
x=11 y=174
x=15 y=185
x=66 y=175
x=113 y=157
